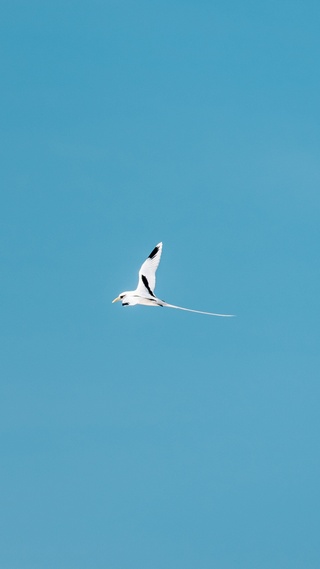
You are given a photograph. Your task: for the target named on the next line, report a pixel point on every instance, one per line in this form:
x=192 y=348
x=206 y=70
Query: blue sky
x=138 y=438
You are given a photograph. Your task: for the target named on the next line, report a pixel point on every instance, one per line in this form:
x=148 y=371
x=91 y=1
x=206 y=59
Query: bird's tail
x=197 y=311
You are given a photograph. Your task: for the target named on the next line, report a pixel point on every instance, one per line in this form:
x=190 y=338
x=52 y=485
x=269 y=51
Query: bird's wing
x=197 y=311
x=147 y=273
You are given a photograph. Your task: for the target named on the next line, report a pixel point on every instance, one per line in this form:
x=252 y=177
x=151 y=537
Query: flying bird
x=144 y=293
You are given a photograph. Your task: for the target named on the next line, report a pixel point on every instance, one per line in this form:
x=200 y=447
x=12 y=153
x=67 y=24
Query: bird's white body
x=144 y=293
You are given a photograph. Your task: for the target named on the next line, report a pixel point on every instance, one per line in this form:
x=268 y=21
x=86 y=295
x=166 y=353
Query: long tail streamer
x=198 y=311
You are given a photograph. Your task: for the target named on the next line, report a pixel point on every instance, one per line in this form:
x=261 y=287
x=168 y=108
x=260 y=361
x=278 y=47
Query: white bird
x=144 y=293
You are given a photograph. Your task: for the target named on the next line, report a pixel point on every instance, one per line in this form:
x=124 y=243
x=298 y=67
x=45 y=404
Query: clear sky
x=148 y=438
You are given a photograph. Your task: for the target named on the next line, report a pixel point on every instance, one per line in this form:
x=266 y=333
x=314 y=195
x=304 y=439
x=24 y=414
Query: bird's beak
x=116 y=299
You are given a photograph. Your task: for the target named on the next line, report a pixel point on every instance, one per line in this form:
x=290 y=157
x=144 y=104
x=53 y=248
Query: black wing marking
x=154 y=252
x=148 y=270
x=146 y=284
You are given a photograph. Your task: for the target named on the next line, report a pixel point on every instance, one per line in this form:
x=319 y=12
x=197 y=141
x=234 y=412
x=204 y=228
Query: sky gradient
x=138 y=438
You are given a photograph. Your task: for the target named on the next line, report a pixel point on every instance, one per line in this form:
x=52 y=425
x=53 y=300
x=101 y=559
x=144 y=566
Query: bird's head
x=121 y=297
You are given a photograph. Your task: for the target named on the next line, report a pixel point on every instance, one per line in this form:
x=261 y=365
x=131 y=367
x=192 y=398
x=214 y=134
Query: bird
x=144 y=293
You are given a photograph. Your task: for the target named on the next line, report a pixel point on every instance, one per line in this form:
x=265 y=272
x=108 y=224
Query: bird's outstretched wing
x=147 y=273
x=197 y=311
